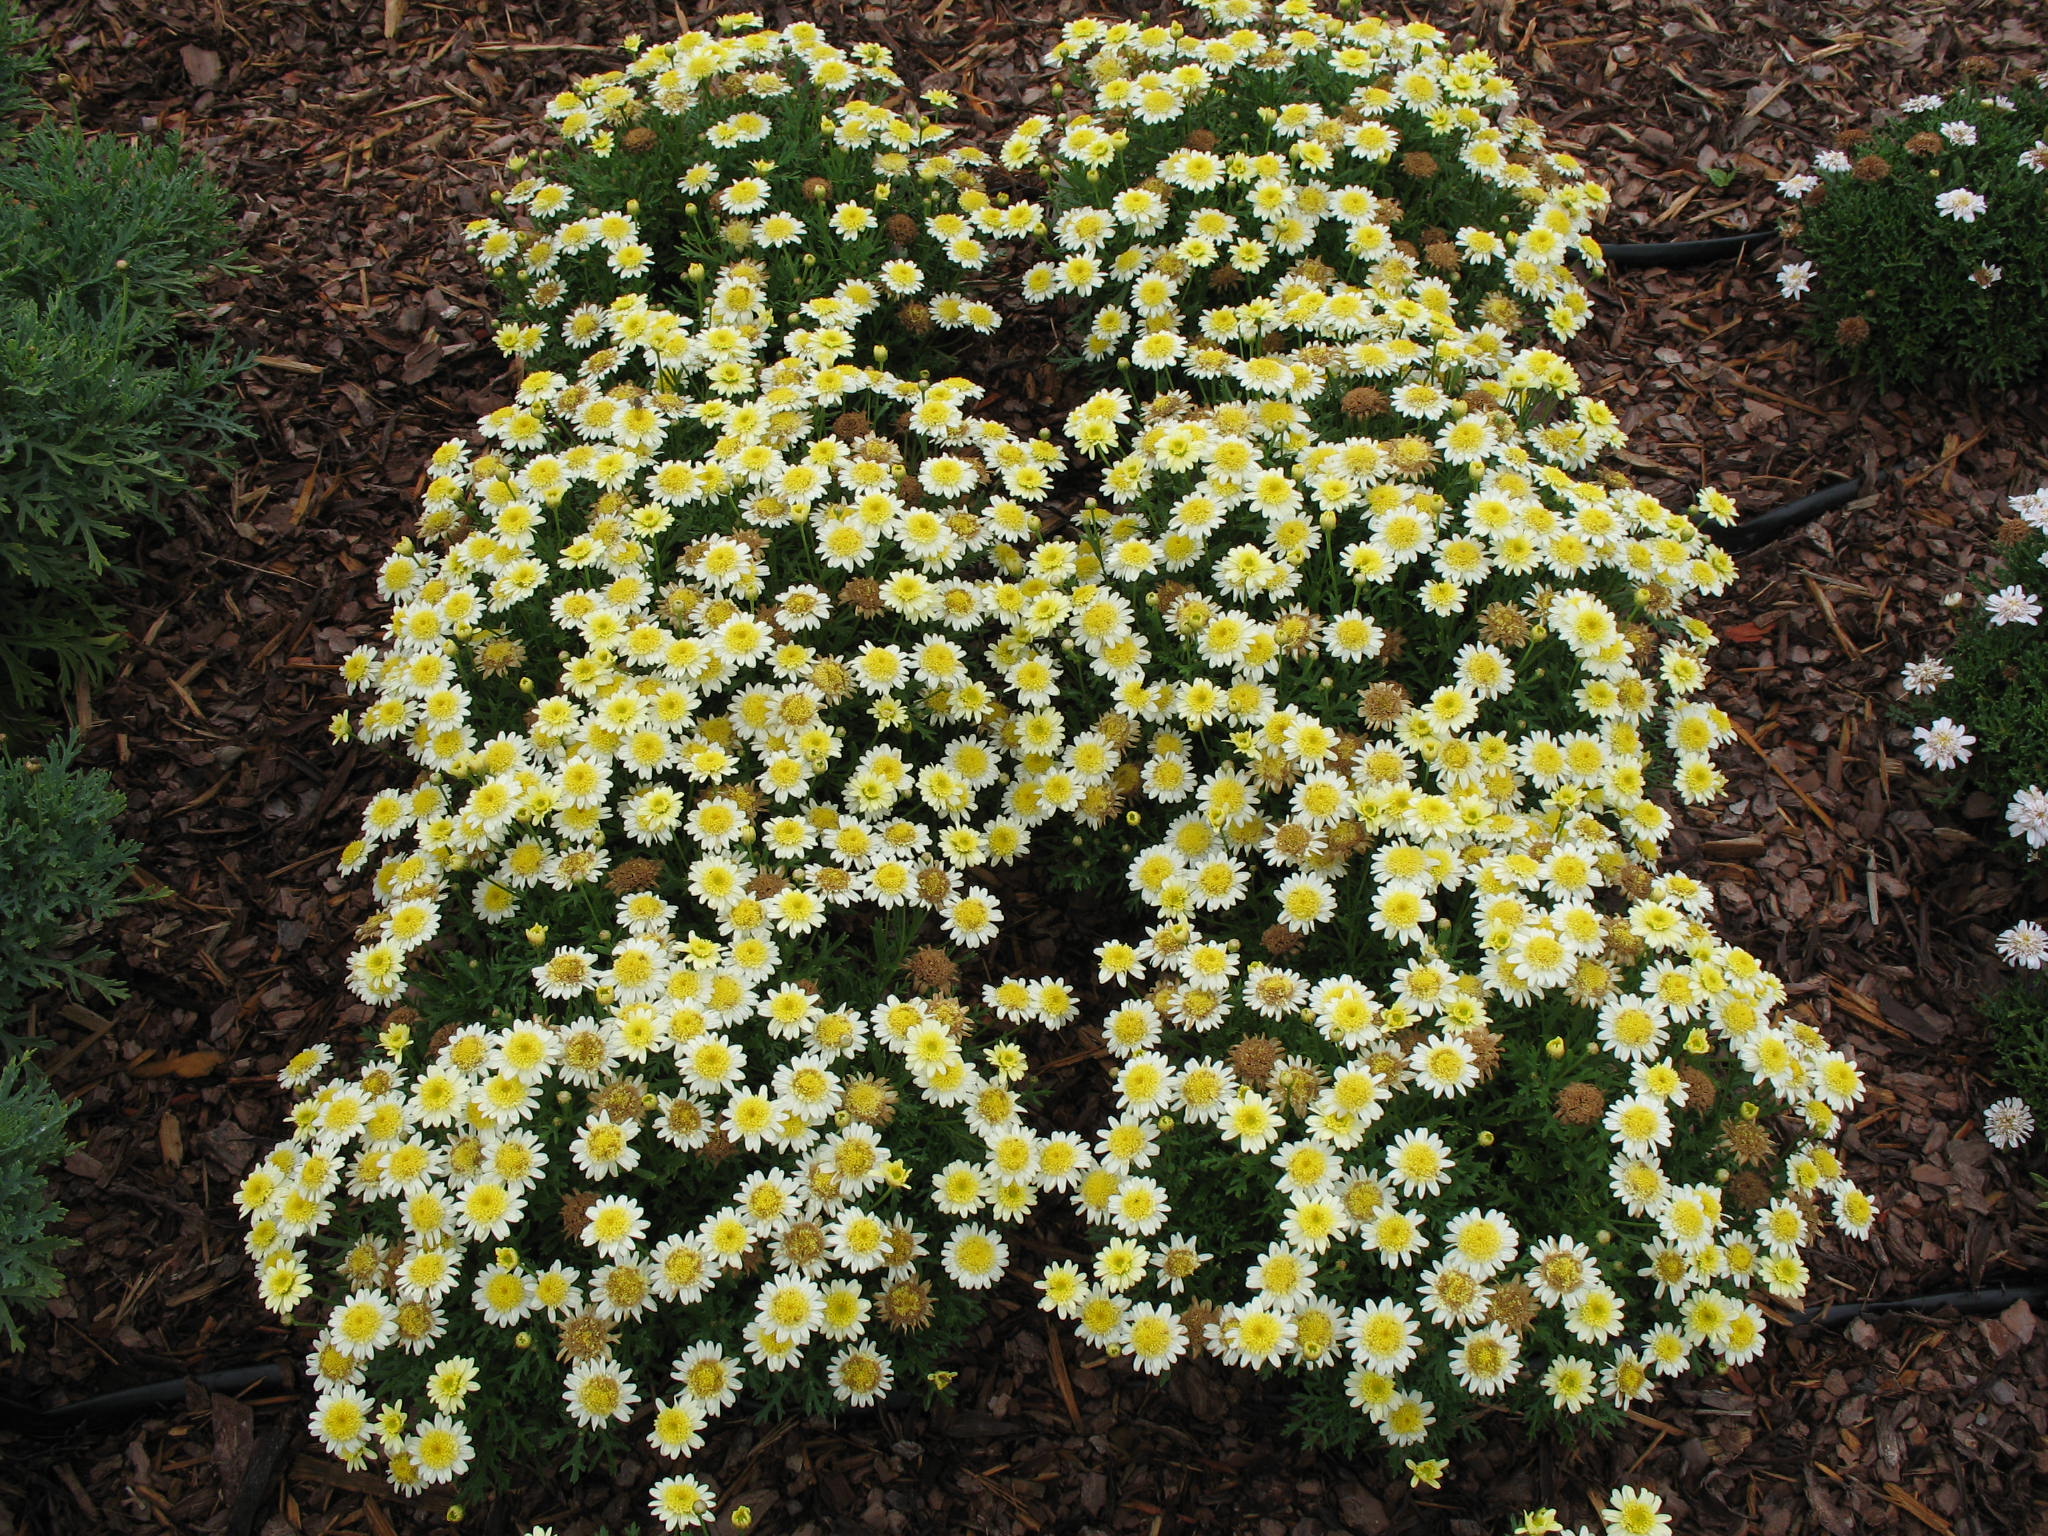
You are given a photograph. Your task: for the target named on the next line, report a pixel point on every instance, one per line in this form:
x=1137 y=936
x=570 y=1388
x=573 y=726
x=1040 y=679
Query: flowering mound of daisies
x=1929 y=232
x=741 y=649
x=1430 y=1088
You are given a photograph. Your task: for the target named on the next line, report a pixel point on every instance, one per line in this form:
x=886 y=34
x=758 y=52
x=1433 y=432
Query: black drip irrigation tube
x=1978 y=1303
x=1685 y=253
x=1753 y=533
x=133 y=1400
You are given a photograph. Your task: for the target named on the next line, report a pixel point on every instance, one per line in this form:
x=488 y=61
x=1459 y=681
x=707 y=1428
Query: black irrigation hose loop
x=1992 y=1300
x=1685 y=253
x=1753 y=533
x=130 y=1400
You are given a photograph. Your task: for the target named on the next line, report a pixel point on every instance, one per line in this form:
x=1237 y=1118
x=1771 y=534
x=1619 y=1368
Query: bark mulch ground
x=358 y=137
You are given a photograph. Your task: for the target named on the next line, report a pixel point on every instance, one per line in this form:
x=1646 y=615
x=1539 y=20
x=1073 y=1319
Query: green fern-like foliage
x=61 y=869
x=32 y=1138
x=107 y=409
x=2016 y=1015
x=20 y=57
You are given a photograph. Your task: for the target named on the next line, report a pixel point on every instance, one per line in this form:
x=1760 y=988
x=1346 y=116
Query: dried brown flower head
x=634 y=875
x=902 y=1246
x=1363 y=402
x=802 y=1245
x=1201 y=141
x=1119 y=730
x=1871 y=168
x=931 y=970
x=1748 y=1143
x=585 y=1336
x=916 y=318
x=1849 y=138
x=624 y=1100
x=850 y=426
x=1700 y=1092
x=1280 y=941
x=1254 y=1057
x=1750 y=1190
x=1513 y=1306
x=576 y=1212
x=1419 y=164
x=638 y=140
x=1485 y=1050
x=1852 y=331
x=901 y=228
x=1197 y=1318
x=906 y=1306
x=1580 y=1104
x=1383 y=704
x=863 y=594
x=1296 y=1082
x=1442 y=255
x=951 y=1014
x=1504 y=625
x=1925 y=144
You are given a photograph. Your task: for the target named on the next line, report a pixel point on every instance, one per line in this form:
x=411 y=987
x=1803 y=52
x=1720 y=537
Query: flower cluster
x=1353 y=689
x=1392 y=681
x=703 y=712
x=1989 y=700
x=1928 y=231
x=1626 y=1512
x=1991 y=691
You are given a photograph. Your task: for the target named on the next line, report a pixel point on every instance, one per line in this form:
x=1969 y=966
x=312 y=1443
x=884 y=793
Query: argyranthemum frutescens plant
x=1430 y=1087
x=781 y=683
x=699 y=709
x=1928 y=238
x=1984 y=707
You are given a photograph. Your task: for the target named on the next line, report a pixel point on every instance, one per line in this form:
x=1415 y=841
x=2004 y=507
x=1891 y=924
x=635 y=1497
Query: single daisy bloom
x=2008 y=1123
x=1944 y=744
x=1961 y=204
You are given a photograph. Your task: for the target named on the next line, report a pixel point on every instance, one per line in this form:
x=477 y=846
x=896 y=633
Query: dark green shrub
x=106 y=410
x=2017 y=1017
x=31 y=1139
x=1993 y=683
x=61 y=869
x=1913 y=279
x=20 y=57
